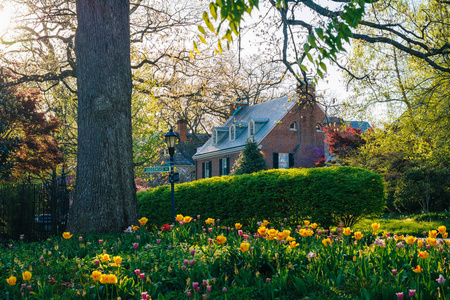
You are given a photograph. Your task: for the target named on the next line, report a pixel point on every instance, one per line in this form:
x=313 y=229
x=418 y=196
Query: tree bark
x=105 y=192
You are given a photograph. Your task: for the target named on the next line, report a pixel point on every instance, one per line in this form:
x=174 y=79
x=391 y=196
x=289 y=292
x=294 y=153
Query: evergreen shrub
x=322 y=195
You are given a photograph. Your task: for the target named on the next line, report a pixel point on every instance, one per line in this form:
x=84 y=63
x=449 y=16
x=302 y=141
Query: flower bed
x=199 y=259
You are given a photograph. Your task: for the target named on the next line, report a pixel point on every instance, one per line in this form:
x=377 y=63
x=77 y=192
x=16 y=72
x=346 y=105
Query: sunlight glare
x=5 y=19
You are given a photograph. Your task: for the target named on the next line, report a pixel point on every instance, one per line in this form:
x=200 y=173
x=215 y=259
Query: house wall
x=215 y=164
x=305 y=143
x=281 y=139
x=311 y=141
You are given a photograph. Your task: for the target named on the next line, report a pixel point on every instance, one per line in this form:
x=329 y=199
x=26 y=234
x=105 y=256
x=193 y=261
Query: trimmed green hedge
x=322 y=195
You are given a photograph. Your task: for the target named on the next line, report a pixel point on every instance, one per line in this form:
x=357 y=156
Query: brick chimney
x=235 y=105
x=182 y=130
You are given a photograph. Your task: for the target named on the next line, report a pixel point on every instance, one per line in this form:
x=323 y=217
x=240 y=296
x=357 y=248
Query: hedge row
x=323 y=195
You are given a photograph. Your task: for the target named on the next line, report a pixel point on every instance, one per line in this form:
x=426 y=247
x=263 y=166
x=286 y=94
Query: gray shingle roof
x=359 y=124
x=266 y=114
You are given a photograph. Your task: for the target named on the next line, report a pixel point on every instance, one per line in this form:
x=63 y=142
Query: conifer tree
x=250 y=160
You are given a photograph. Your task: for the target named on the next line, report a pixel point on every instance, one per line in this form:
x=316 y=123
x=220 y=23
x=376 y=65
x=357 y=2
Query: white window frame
x=214 y=137
x=232 y=133
x=283 y=160
x=251 y=128
x=293 y=126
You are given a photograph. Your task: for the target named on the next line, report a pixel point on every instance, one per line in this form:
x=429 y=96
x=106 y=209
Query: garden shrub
x=323 y=195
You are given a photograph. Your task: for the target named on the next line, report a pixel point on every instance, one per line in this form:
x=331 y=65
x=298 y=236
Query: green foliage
x=424 y=189
x=327 y=41
x=173 y=264
x=250 y=160
x=325 y=195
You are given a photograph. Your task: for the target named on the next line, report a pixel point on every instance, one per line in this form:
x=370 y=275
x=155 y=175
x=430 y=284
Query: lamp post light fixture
x=171 y=139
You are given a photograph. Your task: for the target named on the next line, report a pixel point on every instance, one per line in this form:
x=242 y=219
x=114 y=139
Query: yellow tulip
x=112 y=279
x=135 y=227
x=221 y=239
x=309 y=232
x=358 y=235
x=303 y=232
x=293 y=245
x=245 y=246
x=96 y=275
x=290 y=239
x=280 y=236
x=326 y=242
x=143 y=221
x=209 y=221
x=238 y=225
x=26 y=276
x=445 y=235
x=314 y=225
x=347 y=231
x=375 y=226
x=432 y=234
x=410 y=240
x=117 y=260
x=442 y=230
x=262 y=230
x=108 y=278
x=417 y=269
x=67 y=235
x=306 y=222
x=187 y=219
x=398 y=237
x=419 y=243
x=104 y=257
x=286 y=233
x=431 y=241
x=179 y=218
x=271 y=234
x=265 y=223
x=11 y=280
x=423 y=254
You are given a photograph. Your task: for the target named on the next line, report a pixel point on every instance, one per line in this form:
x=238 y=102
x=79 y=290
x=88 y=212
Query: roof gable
x=265 y=116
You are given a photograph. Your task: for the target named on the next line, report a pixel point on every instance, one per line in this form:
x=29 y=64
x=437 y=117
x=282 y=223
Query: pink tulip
x=135 y=245
x=142 y=275
x=400 y=296
x=240 y=232
x=100 y=241
x=137 y=272
x=80 y=238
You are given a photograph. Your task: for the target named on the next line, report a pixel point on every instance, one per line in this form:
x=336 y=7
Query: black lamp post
x=171 y=139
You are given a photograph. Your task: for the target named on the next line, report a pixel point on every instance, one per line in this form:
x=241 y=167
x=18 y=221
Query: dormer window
x=232 y=132
x=251 y=128
x=293 y=126
x=218 y=134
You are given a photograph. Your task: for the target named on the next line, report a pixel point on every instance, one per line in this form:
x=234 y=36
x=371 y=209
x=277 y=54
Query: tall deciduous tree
x=105 y=198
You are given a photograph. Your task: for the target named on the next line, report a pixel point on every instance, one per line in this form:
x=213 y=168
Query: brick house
x=287 y=131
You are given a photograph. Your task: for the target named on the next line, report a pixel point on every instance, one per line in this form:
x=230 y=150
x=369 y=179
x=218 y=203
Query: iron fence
x=33 y=211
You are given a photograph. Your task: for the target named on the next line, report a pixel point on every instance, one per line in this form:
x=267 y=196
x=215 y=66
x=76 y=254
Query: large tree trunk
x=105 y=194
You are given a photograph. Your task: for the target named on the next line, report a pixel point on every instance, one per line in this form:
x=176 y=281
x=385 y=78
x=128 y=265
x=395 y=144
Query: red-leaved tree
x=342 y=142
x=27 y=142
